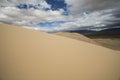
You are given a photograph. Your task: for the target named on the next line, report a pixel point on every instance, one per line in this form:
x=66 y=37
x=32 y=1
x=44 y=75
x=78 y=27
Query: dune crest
x=34 y=55
x=111 y=43
x=77 y=37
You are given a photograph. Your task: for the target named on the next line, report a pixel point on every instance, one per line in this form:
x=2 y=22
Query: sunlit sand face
x=34 y=55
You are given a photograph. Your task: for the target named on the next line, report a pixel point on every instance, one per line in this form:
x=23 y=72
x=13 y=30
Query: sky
x=61 y=15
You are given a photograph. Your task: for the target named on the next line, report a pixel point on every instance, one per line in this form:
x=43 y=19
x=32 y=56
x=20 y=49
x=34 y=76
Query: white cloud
x=14 y=15
x=98 y=14
x=44 y=4
x=79 y=6
x=94 y=20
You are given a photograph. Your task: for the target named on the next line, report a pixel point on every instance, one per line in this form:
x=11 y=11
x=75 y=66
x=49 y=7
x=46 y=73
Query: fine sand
x=34 y=55
x=111 y=43
x=77 y=37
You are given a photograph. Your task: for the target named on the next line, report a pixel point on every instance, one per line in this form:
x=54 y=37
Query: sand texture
x=111 y=42
x=77 y=37
x=34 y=55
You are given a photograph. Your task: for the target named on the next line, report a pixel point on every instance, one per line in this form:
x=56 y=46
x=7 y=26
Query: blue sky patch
x=29 y=6
x=52 y=24
x=57 y=4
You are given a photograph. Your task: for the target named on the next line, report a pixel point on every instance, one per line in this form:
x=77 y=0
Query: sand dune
x=77 y=37
x=111 y=43
x=33 y=55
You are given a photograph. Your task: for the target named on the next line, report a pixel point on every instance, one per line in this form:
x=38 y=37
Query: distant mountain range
x=112 y=32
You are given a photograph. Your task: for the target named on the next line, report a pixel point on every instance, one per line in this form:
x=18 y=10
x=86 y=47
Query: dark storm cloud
x=103 y=4
x=92 y=5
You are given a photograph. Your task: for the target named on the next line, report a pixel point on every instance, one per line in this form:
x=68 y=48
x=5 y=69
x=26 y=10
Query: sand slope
x=33 y=55
x=111 y=43
x=77 y=37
